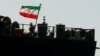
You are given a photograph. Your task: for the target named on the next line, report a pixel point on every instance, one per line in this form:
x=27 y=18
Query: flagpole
x=37 y=19
x=38 y=14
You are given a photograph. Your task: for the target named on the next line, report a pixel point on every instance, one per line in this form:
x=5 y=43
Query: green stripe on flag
x=32 y=7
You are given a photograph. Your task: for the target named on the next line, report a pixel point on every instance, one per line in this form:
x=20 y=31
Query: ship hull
x=47 y=47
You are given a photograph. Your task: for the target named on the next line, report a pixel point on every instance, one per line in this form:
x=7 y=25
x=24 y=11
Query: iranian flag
x=30 y=11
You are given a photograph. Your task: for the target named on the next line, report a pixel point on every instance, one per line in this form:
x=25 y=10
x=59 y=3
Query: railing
x=62 y=32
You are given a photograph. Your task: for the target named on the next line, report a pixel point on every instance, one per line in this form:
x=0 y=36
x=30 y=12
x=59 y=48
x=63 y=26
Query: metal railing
x=77 y=32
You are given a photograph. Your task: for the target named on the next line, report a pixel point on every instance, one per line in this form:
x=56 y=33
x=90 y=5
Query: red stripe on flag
x=29 y=15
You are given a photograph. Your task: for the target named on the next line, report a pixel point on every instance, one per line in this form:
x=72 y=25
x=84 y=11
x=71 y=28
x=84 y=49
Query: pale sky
x=72 y=13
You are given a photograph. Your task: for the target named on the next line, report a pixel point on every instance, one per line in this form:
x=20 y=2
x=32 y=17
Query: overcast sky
x=72 y=13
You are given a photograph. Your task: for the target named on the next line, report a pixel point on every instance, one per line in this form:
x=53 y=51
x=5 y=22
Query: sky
x=72 y=13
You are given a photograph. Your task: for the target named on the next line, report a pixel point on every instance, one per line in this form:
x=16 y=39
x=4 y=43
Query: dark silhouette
x=14 y=26
x=7 y=21
x=2 y=29
x=67 y=34
x=60 y=31
x=32 y=30
x=44 y=20
x=82 y=33
x=73 y=32
x=77 y=35
x=42 y=30
x=62 y=45
x=90 y=34
x=5 y=24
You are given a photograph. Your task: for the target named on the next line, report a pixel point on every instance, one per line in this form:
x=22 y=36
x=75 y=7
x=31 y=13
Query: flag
x=30 y=11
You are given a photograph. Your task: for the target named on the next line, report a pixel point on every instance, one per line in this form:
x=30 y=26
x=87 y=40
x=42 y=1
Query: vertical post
x=22 y=26
x=37 y=20
x=38 y=14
